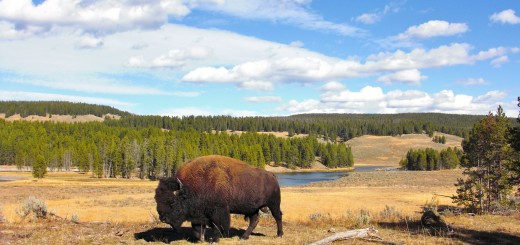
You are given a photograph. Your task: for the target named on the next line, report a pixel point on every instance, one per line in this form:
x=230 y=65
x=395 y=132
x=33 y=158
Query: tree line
x=44 y=108
x=430 y=159
x=111 y=151
x=333 y=127
x=439 y=139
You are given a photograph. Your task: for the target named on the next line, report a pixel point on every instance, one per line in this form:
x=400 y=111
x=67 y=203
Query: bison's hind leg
x=253 y=221
x=277 y=214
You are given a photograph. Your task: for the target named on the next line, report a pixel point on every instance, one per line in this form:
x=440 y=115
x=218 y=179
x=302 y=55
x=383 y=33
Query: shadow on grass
x=168 y=235
x=464 y=235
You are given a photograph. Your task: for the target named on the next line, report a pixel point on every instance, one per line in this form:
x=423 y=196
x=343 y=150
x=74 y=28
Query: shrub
x=74 y=218
x=363 y=218
x=315 y=216
x=390 y=212
x=33 y=206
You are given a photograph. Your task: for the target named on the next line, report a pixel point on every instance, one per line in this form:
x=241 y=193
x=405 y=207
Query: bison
x=207 y=189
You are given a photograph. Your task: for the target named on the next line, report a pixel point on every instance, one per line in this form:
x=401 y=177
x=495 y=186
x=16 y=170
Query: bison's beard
x=171 y=217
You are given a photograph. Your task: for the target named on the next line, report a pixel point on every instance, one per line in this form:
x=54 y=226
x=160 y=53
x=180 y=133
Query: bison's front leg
x=253 y=221
x=199 y=230
x=221 y=222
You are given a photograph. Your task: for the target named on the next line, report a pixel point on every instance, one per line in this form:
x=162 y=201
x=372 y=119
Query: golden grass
x=119 y=210
x=388 y=150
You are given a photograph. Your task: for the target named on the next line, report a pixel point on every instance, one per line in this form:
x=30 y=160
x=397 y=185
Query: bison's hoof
x=244 y=237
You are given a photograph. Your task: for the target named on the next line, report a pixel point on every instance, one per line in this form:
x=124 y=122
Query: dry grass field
x=388 y=150
x=115 y=211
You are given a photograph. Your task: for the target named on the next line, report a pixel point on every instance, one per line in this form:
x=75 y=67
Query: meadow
x=109 y=211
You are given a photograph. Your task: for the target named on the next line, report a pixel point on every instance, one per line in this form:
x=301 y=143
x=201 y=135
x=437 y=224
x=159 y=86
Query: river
x=301 y=178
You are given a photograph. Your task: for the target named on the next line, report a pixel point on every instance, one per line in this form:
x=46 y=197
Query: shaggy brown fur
x=212 y=188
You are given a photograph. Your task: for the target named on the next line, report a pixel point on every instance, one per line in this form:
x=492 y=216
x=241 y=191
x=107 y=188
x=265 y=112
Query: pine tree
x=39 y=167
x=515 y=144
x=486 y=165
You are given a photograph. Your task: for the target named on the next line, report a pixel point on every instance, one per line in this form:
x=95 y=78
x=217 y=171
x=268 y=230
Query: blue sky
x=263 y=58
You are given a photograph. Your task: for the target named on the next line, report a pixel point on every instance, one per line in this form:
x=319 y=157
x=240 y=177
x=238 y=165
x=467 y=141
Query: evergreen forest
x=114 y=151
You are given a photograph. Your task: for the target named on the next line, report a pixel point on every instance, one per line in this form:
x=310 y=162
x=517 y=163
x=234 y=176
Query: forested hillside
x=42 y=108
x=329 y=126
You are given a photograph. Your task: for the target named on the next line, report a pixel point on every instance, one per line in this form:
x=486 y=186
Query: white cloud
x=493 y=52
x=412 y=76
x=256 y=85
x=187 y=111
x=369 y=18
x=206 y=111
x=499 y=61
x=296 y=44
x=305 y=69
x=137 y=61
x=433 y=28
x=210 y=74
x=377 y=16
x=333 y=86
x=175 y=58
x=99 y=17
x=374 y=100
x=472 y=81
x=507 y=16
x=31 y=96
x=8 y=31
x=111 y=16
x=366 y=94
x=491 y=96
x=264 y=99
x=89 y=42
x=306 y=106
x=411 y=99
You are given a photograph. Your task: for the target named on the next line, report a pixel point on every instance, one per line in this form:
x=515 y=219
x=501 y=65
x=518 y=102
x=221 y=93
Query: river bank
x=315 y=167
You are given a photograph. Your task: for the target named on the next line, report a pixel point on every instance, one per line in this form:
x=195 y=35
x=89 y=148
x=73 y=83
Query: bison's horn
x=180 y=183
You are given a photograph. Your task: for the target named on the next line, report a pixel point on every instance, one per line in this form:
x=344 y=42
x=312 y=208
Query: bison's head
x=171 y=204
